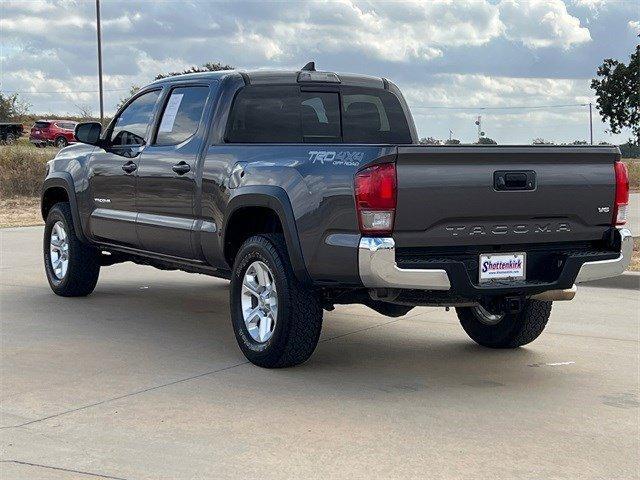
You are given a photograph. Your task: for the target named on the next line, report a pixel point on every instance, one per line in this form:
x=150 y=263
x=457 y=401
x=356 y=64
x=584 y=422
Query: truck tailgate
x=457 y=195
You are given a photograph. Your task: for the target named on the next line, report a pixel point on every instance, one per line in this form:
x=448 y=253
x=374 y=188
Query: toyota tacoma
x=308 y=189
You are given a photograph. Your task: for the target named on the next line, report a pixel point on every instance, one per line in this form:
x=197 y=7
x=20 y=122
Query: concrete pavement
x=143 y=379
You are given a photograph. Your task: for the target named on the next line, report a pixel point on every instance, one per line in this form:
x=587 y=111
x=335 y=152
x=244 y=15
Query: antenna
x=309 y=67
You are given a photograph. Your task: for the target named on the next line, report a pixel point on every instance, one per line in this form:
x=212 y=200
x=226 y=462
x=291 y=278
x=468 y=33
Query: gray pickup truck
x=308 y=189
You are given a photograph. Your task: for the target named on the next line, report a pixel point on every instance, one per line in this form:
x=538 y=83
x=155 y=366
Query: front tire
x=276 y=319
x=507 y=330
x=61 y=142
x=72 y=267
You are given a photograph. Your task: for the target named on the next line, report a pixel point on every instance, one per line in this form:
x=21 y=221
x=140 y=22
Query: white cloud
x=634 y=25
x=50 y=46
x=563 y=119
x=475 y=91
x=593 y=5
x=542 y=23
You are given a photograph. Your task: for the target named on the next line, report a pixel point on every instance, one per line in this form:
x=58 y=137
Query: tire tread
x=517 y=330
x=304 y=309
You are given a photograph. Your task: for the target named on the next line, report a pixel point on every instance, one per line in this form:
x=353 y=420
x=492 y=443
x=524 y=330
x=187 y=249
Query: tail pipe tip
x=556 y=295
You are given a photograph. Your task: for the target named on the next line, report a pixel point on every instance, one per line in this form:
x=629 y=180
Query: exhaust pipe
x=556 y=295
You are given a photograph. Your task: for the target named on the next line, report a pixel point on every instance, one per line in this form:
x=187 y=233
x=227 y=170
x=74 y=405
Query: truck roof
x=279 y=77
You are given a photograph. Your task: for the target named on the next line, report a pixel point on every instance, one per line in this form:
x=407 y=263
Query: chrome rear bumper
x=609 y=268
x=378 y=268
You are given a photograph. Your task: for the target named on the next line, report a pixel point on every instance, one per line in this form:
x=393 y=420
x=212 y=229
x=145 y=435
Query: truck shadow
x=358 y=356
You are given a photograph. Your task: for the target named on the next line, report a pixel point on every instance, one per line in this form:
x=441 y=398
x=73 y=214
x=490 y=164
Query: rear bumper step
x=609 y=268
x=378 y=269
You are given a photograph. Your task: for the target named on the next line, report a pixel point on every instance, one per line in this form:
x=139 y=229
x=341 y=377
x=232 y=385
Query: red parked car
x=53 y=132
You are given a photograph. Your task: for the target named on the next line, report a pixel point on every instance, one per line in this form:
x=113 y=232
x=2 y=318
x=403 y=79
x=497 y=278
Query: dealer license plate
x=501 y=266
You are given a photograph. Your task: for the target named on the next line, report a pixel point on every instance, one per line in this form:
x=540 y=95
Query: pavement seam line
x=200 y=375
x=69 y=470
x=126 y=395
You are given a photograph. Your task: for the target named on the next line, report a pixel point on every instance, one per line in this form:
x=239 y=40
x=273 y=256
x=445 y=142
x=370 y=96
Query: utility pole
x=99 y=61
x=450 y=134
x=590 y=124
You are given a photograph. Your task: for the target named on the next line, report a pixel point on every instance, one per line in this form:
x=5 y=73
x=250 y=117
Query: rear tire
x=293 y=331
x=72 y=267
x=511 y=331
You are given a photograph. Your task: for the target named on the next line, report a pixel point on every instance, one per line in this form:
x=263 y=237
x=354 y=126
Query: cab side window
x=265 y=115
x=182 y=115
x=130 y=127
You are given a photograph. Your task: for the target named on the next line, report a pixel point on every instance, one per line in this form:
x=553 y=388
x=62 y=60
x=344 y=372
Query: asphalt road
x=143 y=379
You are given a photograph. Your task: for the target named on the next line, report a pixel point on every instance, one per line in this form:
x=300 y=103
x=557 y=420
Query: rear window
x=275 y=114
x=320 y=113
x=373 y=116
x=41 y=124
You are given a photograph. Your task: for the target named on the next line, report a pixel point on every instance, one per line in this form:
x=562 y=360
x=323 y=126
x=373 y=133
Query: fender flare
x=64 y=180
x=276 y=199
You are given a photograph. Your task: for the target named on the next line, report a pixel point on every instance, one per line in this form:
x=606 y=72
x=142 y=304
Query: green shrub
x=629 y=150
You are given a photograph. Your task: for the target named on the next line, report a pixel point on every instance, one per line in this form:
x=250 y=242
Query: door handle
x=181 y=168
x=129 y=167
x=514 y=180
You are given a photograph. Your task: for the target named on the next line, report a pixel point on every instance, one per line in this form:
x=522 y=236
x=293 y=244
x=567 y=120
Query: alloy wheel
x=59 y=250
x=259 y=300
x=486 y=317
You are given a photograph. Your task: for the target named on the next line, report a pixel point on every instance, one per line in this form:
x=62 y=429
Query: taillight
x=375 y=189
x=622 y=194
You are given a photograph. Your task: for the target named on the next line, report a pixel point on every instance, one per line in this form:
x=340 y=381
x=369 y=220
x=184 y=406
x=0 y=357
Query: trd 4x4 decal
x=340 y=157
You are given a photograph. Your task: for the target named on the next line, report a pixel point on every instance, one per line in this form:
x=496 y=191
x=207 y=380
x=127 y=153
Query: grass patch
x=22 y=169
x=635 y=259
x=633 y=165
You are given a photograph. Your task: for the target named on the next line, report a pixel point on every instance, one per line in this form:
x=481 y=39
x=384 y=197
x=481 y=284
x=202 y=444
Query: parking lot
x=143 y=379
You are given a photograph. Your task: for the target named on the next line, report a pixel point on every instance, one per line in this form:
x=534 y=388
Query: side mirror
x=89 y=132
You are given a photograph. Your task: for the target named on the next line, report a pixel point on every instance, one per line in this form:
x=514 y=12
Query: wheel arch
x=59 y=187
x=272 y=199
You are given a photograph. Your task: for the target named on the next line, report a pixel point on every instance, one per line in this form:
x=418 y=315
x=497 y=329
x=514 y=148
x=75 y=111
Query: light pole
x=99 y=60
x=590 y=124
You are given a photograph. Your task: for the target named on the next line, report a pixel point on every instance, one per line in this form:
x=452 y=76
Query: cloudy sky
x=453 y=59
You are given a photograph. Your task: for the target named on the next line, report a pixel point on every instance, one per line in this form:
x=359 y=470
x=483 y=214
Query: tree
x=132 y=91
x=618 y=93
x=429 y=141
x=207 y=67
x=12 y=107
x=579 y=142
x=541 y=141
x=629 y=150
x=84 y=111
x=452 y=141
x=486 y=141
